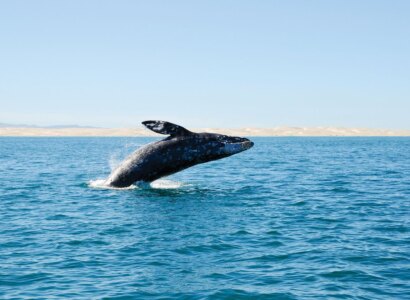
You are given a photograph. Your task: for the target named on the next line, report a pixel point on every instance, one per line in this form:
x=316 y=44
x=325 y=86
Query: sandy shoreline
x=277 y=131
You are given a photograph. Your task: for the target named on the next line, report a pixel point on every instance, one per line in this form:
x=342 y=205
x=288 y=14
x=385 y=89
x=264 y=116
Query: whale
x=180 y=150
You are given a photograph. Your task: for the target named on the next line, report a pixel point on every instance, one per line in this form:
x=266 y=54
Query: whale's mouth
x=247 y=145
x=238 y=146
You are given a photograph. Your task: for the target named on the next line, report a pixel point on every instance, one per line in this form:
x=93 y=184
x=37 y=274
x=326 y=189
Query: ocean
x=291 y=218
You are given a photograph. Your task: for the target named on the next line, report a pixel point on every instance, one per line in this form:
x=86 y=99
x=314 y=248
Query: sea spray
x=163 y=184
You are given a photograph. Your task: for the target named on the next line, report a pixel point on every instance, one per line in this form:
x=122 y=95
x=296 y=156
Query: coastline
x=276 y=131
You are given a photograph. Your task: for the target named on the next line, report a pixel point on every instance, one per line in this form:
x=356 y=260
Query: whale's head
x=234 y=144
x=216 y=146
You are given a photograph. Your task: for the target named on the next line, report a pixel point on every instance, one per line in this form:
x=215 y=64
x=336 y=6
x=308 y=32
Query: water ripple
x=307 y=218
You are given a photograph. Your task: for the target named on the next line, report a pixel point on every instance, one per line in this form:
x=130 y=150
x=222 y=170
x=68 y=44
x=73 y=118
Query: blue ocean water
x=292 y=218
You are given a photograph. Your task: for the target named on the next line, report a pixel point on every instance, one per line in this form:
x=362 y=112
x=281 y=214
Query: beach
x=140 y=131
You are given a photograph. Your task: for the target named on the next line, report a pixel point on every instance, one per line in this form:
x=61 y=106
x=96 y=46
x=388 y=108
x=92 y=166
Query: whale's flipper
x=164 y=127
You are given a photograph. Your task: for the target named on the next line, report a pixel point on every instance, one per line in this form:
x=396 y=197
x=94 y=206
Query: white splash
x=166 y=184
x=100 y=184
x=161 y=184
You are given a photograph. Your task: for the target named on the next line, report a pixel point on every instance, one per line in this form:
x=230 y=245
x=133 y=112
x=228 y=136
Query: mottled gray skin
x=181 y=150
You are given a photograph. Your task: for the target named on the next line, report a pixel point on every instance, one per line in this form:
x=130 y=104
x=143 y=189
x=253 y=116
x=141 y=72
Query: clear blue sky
x=206 y=63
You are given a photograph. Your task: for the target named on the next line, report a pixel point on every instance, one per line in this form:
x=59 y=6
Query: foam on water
x=100 y=184
x=166 y=184
x=158 y=184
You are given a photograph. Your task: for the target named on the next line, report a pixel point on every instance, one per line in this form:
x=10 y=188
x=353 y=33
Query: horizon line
x=249 y=131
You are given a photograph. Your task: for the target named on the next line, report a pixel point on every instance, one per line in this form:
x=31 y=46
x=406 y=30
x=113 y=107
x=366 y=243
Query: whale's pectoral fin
x=164 y=127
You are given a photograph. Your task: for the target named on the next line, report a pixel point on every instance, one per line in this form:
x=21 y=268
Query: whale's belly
x=150 y=163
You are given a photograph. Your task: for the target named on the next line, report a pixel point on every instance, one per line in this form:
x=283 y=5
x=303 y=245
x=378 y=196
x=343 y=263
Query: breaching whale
x=180 y=150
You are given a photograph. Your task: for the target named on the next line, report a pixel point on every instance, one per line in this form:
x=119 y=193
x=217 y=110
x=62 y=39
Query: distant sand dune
x=276 y=131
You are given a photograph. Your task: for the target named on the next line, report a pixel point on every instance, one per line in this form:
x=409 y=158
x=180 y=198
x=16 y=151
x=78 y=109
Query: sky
x=213 y=63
